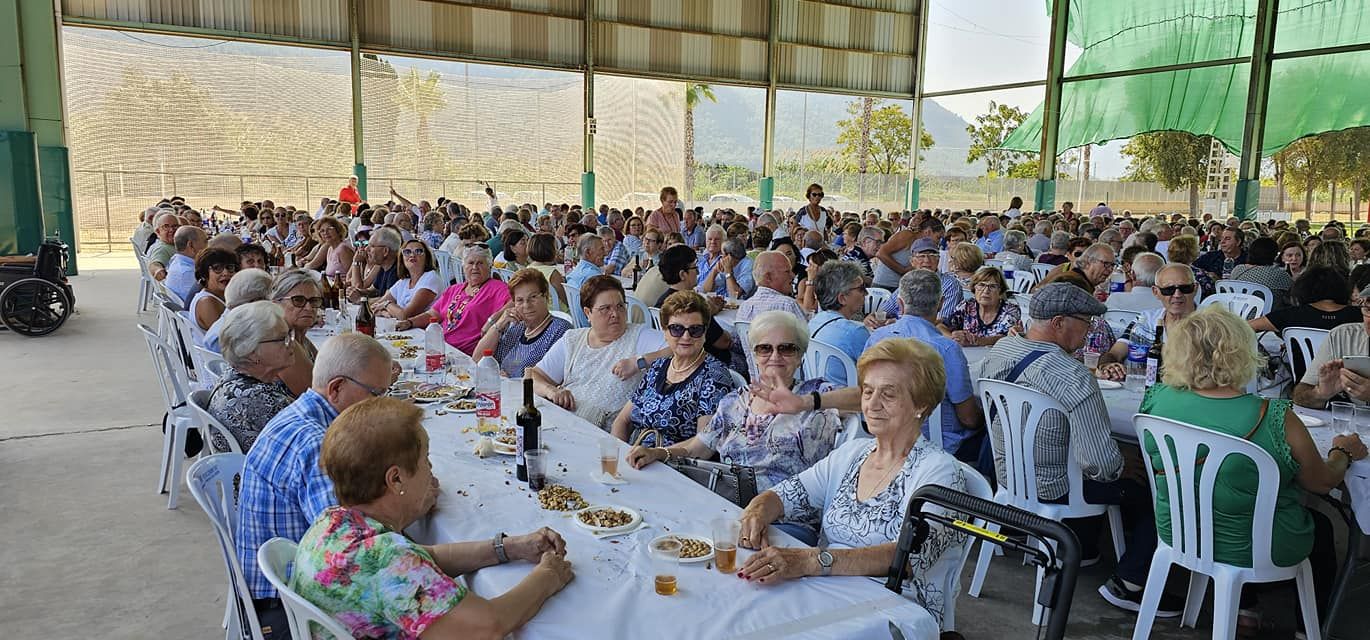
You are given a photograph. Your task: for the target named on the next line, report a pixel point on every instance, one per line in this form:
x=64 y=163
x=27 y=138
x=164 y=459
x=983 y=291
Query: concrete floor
x=91 y=551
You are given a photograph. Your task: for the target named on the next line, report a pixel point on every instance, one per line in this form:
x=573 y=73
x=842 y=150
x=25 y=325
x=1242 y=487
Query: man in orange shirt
x=665 y=219
x=349 y=193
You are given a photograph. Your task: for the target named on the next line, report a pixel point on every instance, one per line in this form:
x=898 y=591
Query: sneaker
x=1118 y=595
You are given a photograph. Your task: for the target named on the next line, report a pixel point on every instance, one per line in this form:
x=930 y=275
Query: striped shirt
x=765 y=299
x=1086 y=433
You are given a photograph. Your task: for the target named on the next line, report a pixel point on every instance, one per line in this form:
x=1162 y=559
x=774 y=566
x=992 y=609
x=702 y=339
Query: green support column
x=911 y=194
x=358 y=140
x=587 y=190
x=1044 y=194
x=359 y=170
x=920 y=67
x=1248 y=194
x=766 y=187
x=587 y=177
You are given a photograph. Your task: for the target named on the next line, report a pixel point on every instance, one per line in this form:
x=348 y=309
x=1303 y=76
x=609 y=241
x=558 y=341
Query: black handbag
x=734 y=482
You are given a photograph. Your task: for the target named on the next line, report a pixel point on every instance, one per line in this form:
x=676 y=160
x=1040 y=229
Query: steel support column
x=587 y=176
x=358 y=141
x=1044 y=196
x=766 y=189
x=1248 y=193
x=920 y=17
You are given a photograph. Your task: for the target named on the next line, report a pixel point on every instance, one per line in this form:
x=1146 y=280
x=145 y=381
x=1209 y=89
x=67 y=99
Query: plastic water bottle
x=434 y=349
x=487 y=395
x=1117 y=282
x=1136 y=367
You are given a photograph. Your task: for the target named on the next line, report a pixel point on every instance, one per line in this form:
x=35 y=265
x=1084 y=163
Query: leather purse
x=734 y=482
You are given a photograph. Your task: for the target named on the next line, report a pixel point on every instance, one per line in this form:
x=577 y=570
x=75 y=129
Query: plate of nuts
x=607 y=519
x=692 y=548
x=559 y=497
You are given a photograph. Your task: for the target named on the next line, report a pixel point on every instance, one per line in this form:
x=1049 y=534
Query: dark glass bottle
x=529 y=421
x=1153 y=358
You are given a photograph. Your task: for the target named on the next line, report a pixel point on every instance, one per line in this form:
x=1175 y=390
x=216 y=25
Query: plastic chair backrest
x=444 y=260
x=1300 y=345
x=1023 y=281
x=573 y=305
x=852 y=430
x=1016 y=411
x=820 y=357
x=186 y=338
x=741 y=328
x=211 y=481
x=875 y=297
x=275 y=558
x=1183 y=448
x=1120 y=319
x=934 y=426
x=638 y=311
x=1041 y=269
x=213 y=367
x=458 y=275
x=504 y=274
x=1250 y=288
x=199 y=407
x=553 y=298
x=563 y=315
x=997 y=264
x=978 y=486
x=655 y=313
x=1245 y=305
x=169 y=370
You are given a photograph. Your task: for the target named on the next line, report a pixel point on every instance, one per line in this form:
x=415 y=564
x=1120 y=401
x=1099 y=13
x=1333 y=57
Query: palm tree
x=694 y=92
x=863 y=148
x=422 y=96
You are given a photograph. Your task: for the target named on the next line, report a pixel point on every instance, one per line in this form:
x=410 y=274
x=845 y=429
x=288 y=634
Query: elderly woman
x=1210 y=358
x=679 y=393
x=415 y=292
x=302 y=241
x=464 y=308
x=376 y=267
x=248 y=285
x=857 y=495
x=1260 y=268
x=744 y=431
x=1015 y=250
x=522 y=333
x=252 y=256
x=357 y=565
x=299 y=296
x=335 y=253
x=259 y=346
x=593 y=371
x=633 y=240
x=214 y=268
x=1185 y=250
x=988 y=316
x=679 y=269
x=840 y=287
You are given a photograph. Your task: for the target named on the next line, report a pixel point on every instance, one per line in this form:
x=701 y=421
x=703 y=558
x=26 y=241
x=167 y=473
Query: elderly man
x=692 y=230
x=1144 y=269
x=159 y=254
x=774 y=291
x=925 y=256
x=1059 y=251
x=180 y=276
x=144 y=233
x=840 y=287
x=616 y=253
x=1015 y=251
x=283 y=487
x=1088 y=271
x=1175 y=289
x=1061 y=316
x=991 y=239
x=590 y=248
x=864 y=249
x=919 y=297
x=1040 y=240
x=724 y=268
x=894 y=258
x=1328 y=378
x=1230 y=253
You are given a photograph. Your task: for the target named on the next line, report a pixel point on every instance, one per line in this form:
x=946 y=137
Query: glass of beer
x=665 y=564
x=725 y=533
x=608 y=457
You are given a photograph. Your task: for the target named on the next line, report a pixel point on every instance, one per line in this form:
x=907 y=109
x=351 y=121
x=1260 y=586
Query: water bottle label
x=1137 y=351
x=487 y=406
x=435 y=361
x=1116 y=286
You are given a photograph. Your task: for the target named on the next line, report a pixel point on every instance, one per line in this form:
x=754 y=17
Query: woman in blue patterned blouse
x=522 y=332
x=988 y=316
x=678 y=394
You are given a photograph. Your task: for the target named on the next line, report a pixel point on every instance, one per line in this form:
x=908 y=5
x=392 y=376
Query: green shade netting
x=1307 y=95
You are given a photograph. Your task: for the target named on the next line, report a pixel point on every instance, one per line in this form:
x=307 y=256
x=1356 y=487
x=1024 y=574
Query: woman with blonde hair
x=1210 y=356
x=963 y=260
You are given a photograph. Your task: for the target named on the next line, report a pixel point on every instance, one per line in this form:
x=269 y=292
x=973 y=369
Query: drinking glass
x=608 y=457
x=1092 y=360
x=1343 y=417
x=536 y=461
x=385 y=325
x=725 y=533
x=665 y=564
x=880 y=316
x=1362 y=425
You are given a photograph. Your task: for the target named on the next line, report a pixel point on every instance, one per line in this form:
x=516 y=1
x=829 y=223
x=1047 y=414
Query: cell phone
x=1359 y=364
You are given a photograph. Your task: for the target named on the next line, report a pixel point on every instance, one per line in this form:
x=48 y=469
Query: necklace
x=888 y=473
x=538 y=329
x=688 y=366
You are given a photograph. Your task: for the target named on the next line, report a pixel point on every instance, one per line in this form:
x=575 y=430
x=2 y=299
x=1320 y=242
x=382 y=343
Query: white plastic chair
x=741 y=328
x=175 y=393
x=213 y=367
x=739 y=382
x=211 y=481
x=1019 y=411
x=1120 y=319
x=185 y=338
x=563 y=315
x=458 y=275
x=1300 y=345
x=820 y=356
x=504 y=274
x=654 y=314
x=1023 y=281
x=444 y=260
x=145 y=280
x=1190 y=491
x=1041 y=269
x=1250 y=288
x=275 y=558
x=573 y=305
x=209 y=425
x=851 y=430
x=934 y=427
x=638 y=311
x=977 y=486
x=997 y=264
x=875 y=298
x=1245 y=305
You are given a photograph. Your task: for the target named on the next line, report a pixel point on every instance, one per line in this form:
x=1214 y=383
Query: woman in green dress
x=1209 y=358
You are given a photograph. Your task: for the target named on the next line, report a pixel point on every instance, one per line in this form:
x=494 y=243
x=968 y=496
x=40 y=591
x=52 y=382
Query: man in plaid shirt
x=283 y=487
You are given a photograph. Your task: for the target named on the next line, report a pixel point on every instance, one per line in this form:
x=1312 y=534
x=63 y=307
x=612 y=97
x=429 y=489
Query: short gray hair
x=1042 y=227
x=766 y=219
x=833 y=279
x=772 y=320
x=246 y=326
x=287 y=280
x=919 y=291
x=1060 y=240
x=715 y=229
x=386 y=238
x=735 y=248
x=1095 y=252
x=484 y=251
x=1014 y=241
x=586 y=241
x=1108 y=235
x=186 y=235
x=347 y=354
x=1145 y=266
x=248 y=285
x=871 y=232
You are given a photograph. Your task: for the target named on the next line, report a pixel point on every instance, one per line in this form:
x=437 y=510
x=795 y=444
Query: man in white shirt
x=1145 y=266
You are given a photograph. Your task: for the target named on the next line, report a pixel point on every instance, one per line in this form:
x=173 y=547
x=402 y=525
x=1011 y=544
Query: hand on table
x=715 y=304
x=963 y=338
x=640 y=456
x=752 y=531
x=531 y=546
x=1111 y=371
x=562 y=398
x=554 y=568
x=1351 y=442
x=777 y=564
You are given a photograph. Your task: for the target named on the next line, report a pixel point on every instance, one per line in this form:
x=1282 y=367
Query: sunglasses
x=786 y=349
x=300 y=301
x=677 y=330
x=818 y=194
x=1182 y=288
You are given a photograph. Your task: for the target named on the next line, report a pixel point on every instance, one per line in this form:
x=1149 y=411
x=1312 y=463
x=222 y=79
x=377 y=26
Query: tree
x=1306 y=166
x=878 y=139
x=421 y=96
x=1350 y=162
x=989 y=132
x=694 y=92
x=1175 y=159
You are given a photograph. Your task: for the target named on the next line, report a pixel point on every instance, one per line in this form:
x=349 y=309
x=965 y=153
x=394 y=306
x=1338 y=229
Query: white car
x=731 y=198
x=779 y=201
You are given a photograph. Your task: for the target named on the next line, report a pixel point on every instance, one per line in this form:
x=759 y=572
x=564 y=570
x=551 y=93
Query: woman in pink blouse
x=464 y=308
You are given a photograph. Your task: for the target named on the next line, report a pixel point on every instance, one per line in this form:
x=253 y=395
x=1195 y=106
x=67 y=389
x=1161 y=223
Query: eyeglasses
x=1182 y=288
x=817 y=194
x=987 y=286
x=286 y=340
x=860 y=287
x=532 y=297
x=785 y=349
x=375 y=393
x=606 y=309
x=220 y=268
x=677 y=330
x=300 y=301
x=412 y=252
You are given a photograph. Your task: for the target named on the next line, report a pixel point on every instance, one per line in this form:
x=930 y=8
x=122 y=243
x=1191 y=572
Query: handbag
x=734 y=482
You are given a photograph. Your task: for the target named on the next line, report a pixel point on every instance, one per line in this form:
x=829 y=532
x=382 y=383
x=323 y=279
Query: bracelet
x=499 y=548
x=817 y=400
x=667 y=451
x=1346 y=452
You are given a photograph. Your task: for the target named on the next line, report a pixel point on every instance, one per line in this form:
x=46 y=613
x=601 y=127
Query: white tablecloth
x=612 y=595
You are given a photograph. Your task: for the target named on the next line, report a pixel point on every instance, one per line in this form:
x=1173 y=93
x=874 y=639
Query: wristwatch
x=499 y=548
x=641 y=363
x=824 y=561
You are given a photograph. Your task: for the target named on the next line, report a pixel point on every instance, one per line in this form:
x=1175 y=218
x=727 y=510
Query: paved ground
x=91 y=551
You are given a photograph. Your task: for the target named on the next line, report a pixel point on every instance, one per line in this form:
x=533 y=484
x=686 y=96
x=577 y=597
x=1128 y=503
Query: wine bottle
x=529 y=421
x=366 y=321
x=1153 y=358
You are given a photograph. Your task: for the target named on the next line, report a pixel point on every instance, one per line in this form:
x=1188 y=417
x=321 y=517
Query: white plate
x=683 y=560
x=441 y=398
x=503 y=449
x=455 y=408
x=632 y=524
x=1108 y=384
x=1311 y=421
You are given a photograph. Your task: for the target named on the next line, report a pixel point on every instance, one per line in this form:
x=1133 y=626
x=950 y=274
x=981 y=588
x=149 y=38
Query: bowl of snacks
x=559 y=497
x=607 y=519
x=692 y=548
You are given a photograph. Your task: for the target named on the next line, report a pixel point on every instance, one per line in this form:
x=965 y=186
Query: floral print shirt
x=374 y=581
x=966 y=317
x=776 y=446
x=244 y=405
x=674 y=409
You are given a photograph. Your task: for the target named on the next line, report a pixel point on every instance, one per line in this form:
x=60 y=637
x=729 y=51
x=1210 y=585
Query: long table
x=612 y=595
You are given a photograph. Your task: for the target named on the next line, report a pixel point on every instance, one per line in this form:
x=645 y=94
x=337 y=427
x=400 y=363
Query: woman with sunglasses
x=680 y=270
x=213 y=269
x=680 y=392
x=988 y=316
x=415 y=292
x=522 y=333
x=744 y=430
x=812 y=216
x=300 y=298
x=258 y=344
